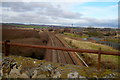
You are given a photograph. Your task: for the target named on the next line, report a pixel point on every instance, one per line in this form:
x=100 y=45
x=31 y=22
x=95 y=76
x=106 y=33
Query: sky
x=84 y=13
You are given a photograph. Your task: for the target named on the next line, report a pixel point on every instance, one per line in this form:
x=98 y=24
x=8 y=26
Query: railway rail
x=60 y=56
x=62 y=48
x=75 y=55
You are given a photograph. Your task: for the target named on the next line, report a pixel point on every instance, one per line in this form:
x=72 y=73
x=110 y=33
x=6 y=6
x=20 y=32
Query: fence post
x=99 y=59
x=6 y=47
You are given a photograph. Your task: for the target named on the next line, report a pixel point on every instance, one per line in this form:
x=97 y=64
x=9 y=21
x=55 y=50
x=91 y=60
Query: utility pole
x=72 y=25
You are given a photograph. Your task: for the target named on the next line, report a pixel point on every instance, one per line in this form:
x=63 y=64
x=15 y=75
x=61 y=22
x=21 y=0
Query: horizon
x=96 y=14
x=62 y=26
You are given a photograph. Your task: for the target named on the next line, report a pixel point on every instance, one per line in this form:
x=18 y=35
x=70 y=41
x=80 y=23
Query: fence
x=115 y=45
x=7 y=45
x=111 y=44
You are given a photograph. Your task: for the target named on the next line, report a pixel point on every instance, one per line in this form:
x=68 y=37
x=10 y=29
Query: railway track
x=48 y=54
x=75 y=55
x=59 y=56
x=62 y=57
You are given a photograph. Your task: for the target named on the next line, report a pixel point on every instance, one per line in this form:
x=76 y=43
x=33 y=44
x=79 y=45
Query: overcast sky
x=64 y=12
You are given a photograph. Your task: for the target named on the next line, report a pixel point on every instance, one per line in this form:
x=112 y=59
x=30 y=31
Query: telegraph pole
x=72 y=25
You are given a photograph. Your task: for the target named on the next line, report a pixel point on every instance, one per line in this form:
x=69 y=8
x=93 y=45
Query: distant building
x=78 y=31
x=117 y=36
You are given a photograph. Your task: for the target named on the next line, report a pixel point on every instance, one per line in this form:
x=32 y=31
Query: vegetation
x=26 y=37
x=8 y=34
x=116 y=40
x=29 y=66
x=108 y=61
x=74 y=35
x=31 y=26
x=95 y=34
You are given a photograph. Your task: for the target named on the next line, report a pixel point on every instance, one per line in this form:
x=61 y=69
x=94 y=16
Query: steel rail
x=78 y=56
x=72 y=55
x=69 y=59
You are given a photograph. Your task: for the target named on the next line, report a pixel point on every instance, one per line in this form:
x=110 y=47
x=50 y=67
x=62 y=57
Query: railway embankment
x=23 y=67
x=107 y=61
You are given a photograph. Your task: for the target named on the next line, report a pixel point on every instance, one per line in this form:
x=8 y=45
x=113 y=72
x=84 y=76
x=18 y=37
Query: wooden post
x=99 y=60
x=6 y=48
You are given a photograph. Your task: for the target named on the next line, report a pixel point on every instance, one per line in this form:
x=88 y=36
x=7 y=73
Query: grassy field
x=116 y=40
x=30 y=26
x=26 y=37
x=74 y=35
x=108 y=61
x=8 y=34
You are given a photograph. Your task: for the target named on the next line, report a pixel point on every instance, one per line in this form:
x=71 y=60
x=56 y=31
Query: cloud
x=21 y=6
x=109 y=12
x=98 y=22
x=49 y=13
x=41 y=8
x=60 y=1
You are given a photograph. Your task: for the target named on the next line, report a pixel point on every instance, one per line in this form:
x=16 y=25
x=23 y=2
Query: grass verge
x=107 y=61
x=74 y=35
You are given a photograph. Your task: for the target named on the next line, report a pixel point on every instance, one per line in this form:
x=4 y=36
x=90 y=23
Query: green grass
x=30 y=26
x=74 y=35
x=109 y=61
x=113 y=40
x=90 y=45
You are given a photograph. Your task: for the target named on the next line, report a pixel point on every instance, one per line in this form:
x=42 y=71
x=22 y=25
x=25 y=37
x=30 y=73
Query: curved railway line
x=62 y=57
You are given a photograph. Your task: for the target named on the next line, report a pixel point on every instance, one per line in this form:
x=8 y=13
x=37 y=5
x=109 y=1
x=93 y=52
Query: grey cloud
x=48 y=13
x=58 y=12
x=28 y=18
x=97 y=22
x=42 y=8
x=108 y=23
x=24 y=6
x=71 y=15
x=17 y=6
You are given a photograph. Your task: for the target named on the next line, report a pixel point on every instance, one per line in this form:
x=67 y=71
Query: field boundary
x=7 y=45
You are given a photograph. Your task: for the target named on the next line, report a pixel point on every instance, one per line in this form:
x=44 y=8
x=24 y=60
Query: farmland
x=28 y=37
x=74 y=35
x=60 y=39
x=57 y=38
x=37 y=37
x=23 y=26
x=30 y=26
